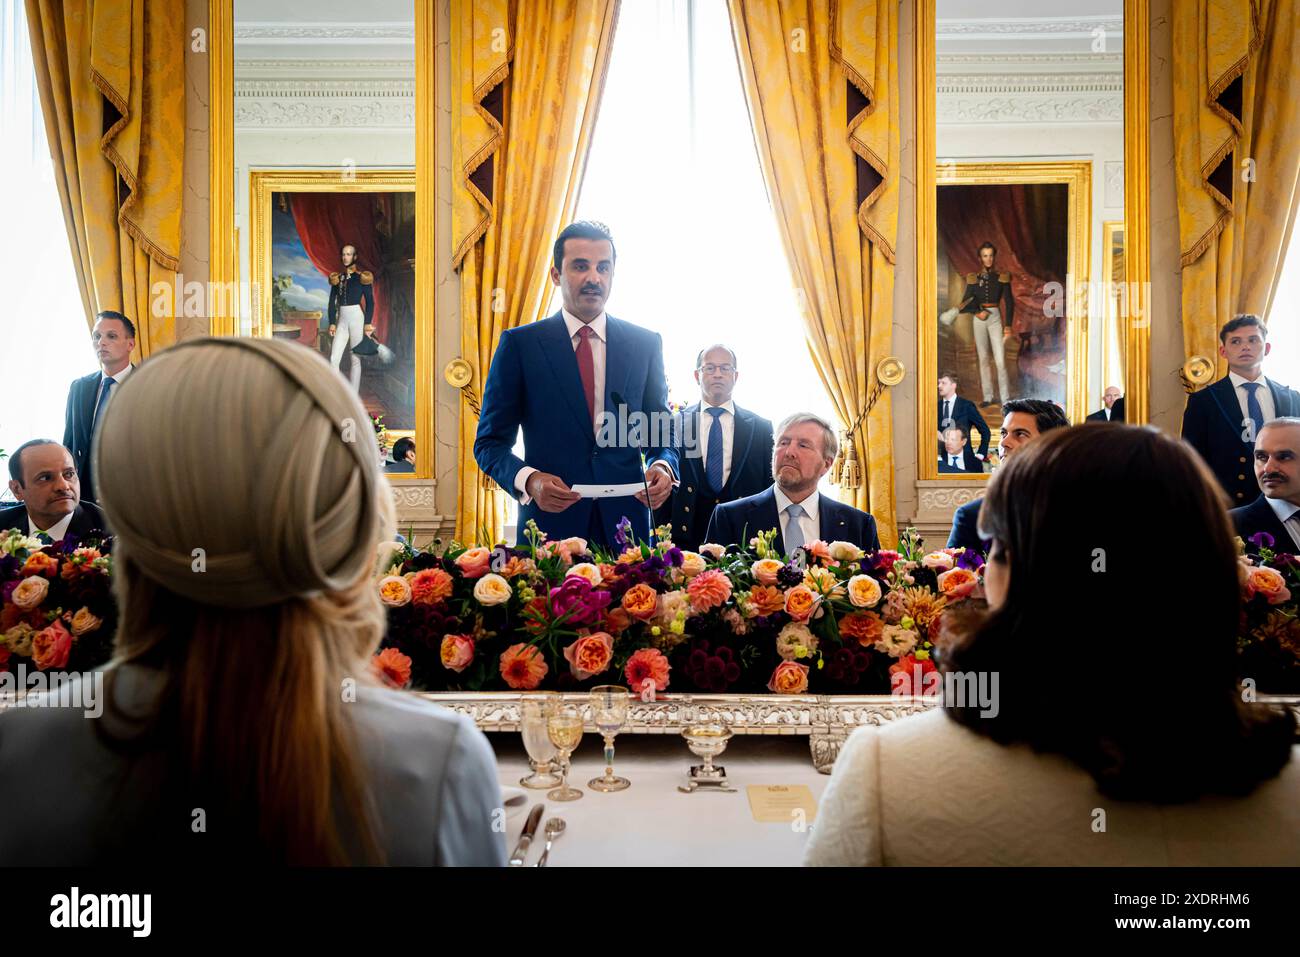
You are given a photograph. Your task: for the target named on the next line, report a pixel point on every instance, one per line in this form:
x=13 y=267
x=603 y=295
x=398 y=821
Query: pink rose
x=457 y=652
x=475 y=563
x=765 y=570
x=1261 y=580
x=51 y=647
x=790 y=677
x=941 y=561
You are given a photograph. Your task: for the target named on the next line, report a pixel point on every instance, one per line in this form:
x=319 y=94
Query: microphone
x=620 y=401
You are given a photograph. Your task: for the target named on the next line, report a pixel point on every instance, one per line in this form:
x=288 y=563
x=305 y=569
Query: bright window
x=1283 y=360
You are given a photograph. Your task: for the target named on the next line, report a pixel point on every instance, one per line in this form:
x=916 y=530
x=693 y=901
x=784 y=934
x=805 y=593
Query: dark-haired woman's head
x=1113 y=610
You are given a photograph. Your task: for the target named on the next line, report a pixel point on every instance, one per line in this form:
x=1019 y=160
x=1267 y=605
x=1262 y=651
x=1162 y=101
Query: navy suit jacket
x=965 y=414
x=969 y=462
x=534 y=384
x=1116 y=413
x=86 y=520
x=1259 y=516
x=78 y=424
x=1212 y=424
x=735 y=523
x=693 y=501
x=963 y=534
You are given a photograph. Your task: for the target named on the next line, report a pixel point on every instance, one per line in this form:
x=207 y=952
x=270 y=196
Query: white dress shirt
x=1264 y=394
x=728 y=423
x=56 y=531
x=117 y=381
x=1289 y=515
x=808 y=522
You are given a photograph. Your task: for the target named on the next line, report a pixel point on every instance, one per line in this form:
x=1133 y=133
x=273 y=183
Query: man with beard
x=43 y=478
x=805 y=448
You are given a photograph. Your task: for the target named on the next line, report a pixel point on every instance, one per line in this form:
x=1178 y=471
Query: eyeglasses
x=709 y=368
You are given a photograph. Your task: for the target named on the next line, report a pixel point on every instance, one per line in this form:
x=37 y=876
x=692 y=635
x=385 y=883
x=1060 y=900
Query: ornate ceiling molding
x=341 y=33
x=1039 y=28
x=314 y=103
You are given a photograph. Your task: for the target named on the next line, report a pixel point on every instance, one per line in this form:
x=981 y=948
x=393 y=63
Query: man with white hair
x=805 y=448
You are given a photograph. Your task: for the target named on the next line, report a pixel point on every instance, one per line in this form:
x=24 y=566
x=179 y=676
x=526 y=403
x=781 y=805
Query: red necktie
x=587 y=369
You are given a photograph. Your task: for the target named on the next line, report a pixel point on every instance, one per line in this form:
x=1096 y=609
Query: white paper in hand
x=609 y=491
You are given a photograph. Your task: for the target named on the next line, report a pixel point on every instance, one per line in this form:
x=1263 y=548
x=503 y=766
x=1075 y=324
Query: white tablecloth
x=652 y=823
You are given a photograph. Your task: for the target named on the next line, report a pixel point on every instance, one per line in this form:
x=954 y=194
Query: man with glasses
x=113 y=338
x=725 y=451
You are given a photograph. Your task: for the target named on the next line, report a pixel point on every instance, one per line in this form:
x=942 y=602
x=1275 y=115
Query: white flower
x=845 y=552
x=713 y=550
x=897 y=641
x=492 y=589
x=692 y=564
x=796 y=641
x=585 y=570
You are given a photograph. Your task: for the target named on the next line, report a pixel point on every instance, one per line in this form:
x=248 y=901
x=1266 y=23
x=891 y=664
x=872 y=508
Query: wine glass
x=609 y=704
x=564 y=726
x=534 y=709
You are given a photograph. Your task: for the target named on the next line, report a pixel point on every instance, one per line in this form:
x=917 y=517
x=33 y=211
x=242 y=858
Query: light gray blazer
x=67 y=799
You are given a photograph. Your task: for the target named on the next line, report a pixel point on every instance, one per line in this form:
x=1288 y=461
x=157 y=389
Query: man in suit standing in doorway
x=724 y=452
x=590 y=395
x=1112 y=407
x=1222 y=421
x=113 y=338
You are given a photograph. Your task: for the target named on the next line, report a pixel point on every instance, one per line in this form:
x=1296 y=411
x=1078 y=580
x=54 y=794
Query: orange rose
x=392 y=667
x=617 y=621
x=767 y=600
x=708 y=590
x=394 y=591
x=790 y=677
x=430 y=586
x=83 y=621
x=765 y=570
x=692 y=564
x=523 y=667
x=957 y=583
x=864 y=627
x=51 y=647
x=800 y=602
x=457 y=652
x=640 y=601
x=39 y=563
x=1261 y=580
x=864 y=591
x=590 y=655
x=475 y=563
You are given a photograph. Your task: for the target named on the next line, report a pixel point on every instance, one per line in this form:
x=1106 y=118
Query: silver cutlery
x=526 y=838
x=554 y=828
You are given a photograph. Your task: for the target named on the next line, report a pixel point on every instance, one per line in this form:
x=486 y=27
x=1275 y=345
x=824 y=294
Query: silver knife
x=526 y=838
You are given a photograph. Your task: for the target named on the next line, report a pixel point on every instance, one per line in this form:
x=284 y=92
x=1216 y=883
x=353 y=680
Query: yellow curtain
x=112 y=82
x=526 y=77
x=820 y=80
x=1236 y=157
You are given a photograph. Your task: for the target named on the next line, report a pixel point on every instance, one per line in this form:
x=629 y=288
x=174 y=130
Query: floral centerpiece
x=563 y=615
x=57 y=610
x=1268 y=642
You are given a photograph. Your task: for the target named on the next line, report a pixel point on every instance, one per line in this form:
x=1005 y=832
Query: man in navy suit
x=963 y=413
x=805 y=449
x=1023 y=421
x=589 y=392
x=957 y=455
x=1277 y=468
x=114 y=339
x=1112 y=407
x=724 y=452
x=1222 y=421
x=44 y=480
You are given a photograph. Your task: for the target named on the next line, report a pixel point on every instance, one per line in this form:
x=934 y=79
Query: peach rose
x=648 y=664
x=430 y=586
x=790 y=677
x=392 y=667
x=40 y=563
x=692 y=564
x=864 y=591
x=800 y=602
x=585 y=570
x=51 y=647
x=957 y=583
x=573 y=546
x=18 y=639
x=640 y=601
x=1261 y=580
x=457 y=652
x=796 y=641
x=83 y=622
x=712 y=550
x=516 y=566
x=394 y=591
x=590 y=655
x=819 y=550
x=475 y=563
x=708 y=590
x=845 y=552
x=30 y=592
x=767 y=599
x=940 y=561
x=765 y=570
x=523 y=667
x=492 y=589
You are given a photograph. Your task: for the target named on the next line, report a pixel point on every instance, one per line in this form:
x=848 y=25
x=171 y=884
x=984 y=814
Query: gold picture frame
x=1136 y=219
x=1113 y=344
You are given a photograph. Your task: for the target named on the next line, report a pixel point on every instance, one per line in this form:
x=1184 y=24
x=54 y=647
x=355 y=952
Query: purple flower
x=970 y=559
x=673 y=557
x=7 y=590
x=1261 y=540
x=623 y=533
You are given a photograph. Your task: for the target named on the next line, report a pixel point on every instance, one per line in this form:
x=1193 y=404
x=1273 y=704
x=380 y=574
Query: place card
x=782 y=803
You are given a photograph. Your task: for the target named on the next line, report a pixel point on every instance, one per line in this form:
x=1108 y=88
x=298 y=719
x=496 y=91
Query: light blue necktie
x=713 y=453
x=103 y=401
x=1253 y=409
x=793 y=530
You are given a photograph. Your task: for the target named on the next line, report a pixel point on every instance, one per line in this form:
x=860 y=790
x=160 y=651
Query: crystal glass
x=609 y=704
x=564 y=726
x=534 y=709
